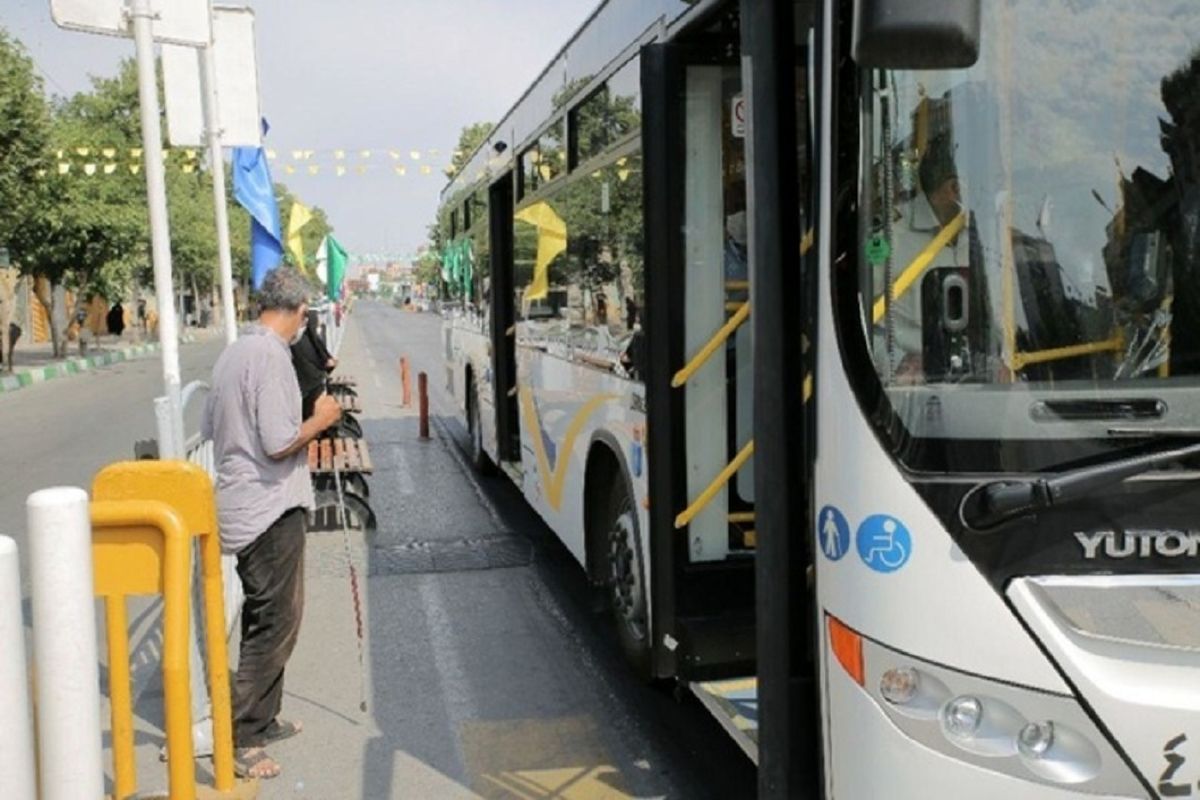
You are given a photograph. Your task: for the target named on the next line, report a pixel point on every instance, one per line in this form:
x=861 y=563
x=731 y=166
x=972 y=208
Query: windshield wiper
x=989 y=505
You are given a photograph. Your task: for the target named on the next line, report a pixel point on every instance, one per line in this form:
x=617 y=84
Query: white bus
x=852 y=347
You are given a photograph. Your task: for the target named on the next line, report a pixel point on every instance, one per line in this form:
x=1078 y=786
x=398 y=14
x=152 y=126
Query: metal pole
x=156 y=200
x=423 y=403
x=17 y=776
x=64 y=644
x=208 y=86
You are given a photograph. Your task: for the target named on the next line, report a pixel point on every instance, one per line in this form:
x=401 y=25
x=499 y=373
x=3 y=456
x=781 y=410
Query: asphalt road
x=62 y=432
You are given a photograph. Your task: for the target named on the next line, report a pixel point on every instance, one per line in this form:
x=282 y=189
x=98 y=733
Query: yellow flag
x=299 y=218
x=552 y=240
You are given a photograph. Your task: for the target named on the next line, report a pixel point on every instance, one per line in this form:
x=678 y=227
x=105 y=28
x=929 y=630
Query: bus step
x=734 y=703
x=716 y=647
x=513 y=470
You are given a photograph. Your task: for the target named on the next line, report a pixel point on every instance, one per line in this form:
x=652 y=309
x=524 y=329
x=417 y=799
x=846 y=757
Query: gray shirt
x=253 y=411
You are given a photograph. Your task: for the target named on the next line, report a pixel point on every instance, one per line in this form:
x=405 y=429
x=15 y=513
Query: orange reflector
x=847 y=647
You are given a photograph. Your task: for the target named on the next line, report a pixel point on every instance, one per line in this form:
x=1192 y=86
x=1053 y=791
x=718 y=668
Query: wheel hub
x=627 y=591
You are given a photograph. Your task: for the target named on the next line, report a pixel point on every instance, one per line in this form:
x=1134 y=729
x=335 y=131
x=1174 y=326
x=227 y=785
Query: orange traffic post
x=405 y=383
x=423 y=402
x=134 y=562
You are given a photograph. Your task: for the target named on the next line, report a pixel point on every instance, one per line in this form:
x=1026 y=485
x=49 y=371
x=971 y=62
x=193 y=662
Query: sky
x=377 y=75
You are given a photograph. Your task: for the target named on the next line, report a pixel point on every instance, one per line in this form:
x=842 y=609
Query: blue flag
x=255 y=192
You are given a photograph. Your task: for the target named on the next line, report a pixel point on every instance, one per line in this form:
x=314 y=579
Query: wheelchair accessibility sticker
x=883 y=543
x=834 y=533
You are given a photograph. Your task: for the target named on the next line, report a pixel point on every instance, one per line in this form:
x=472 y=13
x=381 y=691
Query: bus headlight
x=962 y=716
x=1035 y=739
x=1057 y=752
x=899 y=686
x=982 y=724
x=1026 y=733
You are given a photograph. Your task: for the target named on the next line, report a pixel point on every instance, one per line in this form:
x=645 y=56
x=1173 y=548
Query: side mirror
x=916 y=34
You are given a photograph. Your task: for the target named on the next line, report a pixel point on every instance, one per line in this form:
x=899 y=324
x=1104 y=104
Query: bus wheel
x=479 y=457
x=626 y=579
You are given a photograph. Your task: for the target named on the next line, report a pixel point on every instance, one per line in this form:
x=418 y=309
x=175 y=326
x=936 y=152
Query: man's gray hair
x=284 y=289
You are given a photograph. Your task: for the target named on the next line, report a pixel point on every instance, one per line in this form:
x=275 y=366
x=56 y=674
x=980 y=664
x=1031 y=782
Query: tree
x=24 y=132
x=428 y=269
x=24 y=141
x=469 y=140
x=80 y=226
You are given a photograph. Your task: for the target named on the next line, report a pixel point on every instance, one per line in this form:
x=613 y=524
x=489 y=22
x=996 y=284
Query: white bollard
x=17 y=781
x=64 y=644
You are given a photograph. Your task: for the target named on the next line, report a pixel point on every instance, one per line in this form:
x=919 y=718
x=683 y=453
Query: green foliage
x=24 y=134
x=428 y=269
x=92 y=232
x=469 y=140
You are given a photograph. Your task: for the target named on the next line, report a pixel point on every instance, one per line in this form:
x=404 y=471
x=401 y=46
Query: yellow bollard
x=187 y=490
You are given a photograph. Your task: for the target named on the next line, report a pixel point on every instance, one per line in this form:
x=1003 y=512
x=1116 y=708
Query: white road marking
x=455 y=685
x=407 y=487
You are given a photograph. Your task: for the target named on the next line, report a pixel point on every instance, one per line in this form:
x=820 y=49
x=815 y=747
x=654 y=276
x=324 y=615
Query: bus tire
x=475 y=450
x=625 y=576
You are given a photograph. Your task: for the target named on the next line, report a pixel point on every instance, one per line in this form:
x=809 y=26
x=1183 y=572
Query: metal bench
x=349 y=403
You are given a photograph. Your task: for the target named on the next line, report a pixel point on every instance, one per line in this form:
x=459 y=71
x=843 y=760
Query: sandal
x=253 y=762
x=278 y=730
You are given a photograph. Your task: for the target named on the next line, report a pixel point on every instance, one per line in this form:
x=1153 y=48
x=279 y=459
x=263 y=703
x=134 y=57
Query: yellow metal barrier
x=145 y=515
x=913 y=271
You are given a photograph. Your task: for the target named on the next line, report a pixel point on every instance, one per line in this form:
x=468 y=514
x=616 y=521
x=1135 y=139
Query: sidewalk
x=35 y=363
x=485 y=673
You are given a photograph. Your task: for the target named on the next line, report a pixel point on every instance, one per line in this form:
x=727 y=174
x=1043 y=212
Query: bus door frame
x=503 y=332
x=693 y=637
x=663 y=154
x=788 y=630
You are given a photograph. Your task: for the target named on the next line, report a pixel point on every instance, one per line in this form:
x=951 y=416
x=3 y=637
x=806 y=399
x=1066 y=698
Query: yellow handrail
x=1022 y=360
x=742 y=313
x=913 y=271
x=709 y=493
x=714 y=344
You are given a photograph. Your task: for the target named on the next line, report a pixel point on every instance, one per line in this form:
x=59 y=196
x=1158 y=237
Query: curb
x=73 y=366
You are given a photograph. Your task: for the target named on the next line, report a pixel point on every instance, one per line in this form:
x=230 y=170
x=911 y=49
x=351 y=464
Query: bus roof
x=609 y=30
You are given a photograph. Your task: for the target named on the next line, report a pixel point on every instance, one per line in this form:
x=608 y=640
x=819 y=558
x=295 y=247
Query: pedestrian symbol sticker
x=834 y=532
x=883 y=543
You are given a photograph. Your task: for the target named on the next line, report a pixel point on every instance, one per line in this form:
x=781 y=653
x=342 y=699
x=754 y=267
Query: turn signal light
x=847 y=647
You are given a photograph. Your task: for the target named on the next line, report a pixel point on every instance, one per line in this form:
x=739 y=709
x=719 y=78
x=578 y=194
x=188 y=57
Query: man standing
x=263 y=494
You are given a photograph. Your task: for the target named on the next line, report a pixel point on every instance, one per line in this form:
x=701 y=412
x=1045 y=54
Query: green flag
x=337 y=258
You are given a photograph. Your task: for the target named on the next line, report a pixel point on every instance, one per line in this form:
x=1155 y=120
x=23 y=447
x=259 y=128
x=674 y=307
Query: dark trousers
x=272 y=573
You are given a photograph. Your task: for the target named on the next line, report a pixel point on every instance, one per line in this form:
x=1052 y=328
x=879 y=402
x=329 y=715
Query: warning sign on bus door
x=738 y=116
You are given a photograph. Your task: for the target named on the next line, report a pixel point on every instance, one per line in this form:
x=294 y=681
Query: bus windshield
x=1029 y=233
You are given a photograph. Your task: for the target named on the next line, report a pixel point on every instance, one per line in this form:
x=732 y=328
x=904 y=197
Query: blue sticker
x=883 y=543
x=834 y=532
